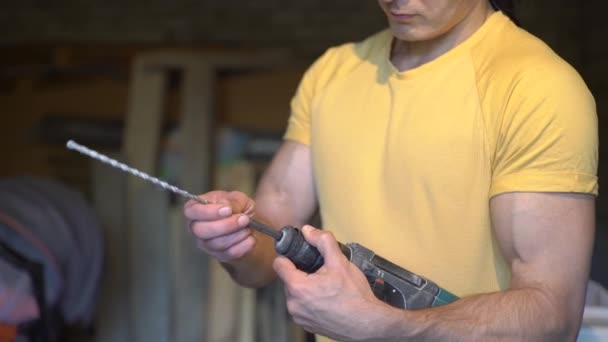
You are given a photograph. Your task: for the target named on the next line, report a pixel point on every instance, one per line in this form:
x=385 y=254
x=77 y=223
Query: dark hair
x=507 y=7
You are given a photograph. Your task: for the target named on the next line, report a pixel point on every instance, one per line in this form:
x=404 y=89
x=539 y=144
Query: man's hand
x=221 y=226
x=336 y=301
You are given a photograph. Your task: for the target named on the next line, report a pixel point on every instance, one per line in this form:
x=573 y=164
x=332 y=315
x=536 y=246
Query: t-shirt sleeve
x=298 y=126
x=547 y=140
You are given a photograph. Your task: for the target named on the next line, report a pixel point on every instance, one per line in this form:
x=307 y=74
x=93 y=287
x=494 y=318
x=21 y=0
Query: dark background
x=45 y=45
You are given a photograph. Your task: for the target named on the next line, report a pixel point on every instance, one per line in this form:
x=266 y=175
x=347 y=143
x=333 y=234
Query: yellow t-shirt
x=405 y=163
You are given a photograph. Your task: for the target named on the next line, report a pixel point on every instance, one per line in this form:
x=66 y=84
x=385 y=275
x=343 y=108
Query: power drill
x=390 y=283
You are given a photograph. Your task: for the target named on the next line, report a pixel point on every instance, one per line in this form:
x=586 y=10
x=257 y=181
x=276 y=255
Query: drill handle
x=396 y=285
x=389 y=282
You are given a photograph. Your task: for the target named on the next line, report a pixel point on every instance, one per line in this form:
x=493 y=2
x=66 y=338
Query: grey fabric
x=17 y=302
x=28 y=244
x=86 y=257
x=61 y=232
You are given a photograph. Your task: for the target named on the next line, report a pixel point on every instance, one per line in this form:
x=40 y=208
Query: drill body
x=395 y=285
x=390 y=283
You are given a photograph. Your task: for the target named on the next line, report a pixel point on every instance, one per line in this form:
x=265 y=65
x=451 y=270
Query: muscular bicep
x=286 y=194
x=547 y=240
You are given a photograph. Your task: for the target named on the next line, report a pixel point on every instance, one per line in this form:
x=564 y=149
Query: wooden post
x=147 y=215
x=112 y=322
x=190 y=265
x=233 y=307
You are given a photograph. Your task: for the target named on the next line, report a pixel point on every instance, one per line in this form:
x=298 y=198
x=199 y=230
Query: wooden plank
x=233 y=306
x=247 y=328
x=113 y=304
x=191 y=266
x=150 y=281
x=144 y=116
x=224 y=299
x=147 y=216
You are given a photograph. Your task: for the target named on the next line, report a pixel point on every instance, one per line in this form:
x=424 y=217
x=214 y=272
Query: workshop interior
x=195 y=95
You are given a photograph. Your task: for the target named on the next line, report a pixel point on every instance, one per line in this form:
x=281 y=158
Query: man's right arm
x=285 y=196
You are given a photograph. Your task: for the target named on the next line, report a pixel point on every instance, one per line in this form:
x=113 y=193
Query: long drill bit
x=72 y=145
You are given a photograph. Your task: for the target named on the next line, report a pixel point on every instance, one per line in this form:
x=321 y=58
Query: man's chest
x=428 y=132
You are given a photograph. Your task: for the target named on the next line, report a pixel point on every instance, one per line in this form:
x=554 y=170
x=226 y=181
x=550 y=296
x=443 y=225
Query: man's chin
x=408 y=33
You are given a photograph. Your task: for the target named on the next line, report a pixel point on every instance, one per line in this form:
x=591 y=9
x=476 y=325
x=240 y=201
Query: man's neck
x=409 y=55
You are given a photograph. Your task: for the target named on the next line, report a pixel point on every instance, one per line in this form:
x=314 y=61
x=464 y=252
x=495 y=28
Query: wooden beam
x=147 y=216
x=191 y=266
x=112 y=323
x=233 y=307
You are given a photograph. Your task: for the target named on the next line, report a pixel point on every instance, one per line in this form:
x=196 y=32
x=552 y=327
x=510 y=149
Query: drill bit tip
x=72 y=145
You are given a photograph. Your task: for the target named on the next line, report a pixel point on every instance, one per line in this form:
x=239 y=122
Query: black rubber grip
x=293 y=246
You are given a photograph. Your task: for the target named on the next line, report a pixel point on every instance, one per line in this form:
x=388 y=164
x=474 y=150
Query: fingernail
x=225 y=211
x=243 y=220
x=307 y=229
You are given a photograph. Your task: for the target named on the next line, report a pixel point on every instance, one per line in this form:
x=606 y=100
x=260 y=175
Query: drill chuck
x=293 y=245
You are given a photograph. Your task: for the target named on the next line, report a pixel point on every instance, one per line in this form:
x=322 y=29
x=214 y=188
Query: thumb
x=325 y=242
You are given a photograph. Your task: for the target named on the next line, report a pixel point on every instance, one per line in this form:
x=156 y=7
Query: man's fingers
x=225 y=242
x=240 y=202
x=212 y=229
x=233 y=252
x=208 y=212
x=286 y=270
x=220 y=204
x=325 y=242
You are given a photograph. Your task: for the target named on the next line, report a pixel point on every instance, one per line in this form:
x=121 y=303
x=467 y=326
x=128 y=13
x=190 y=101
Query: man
x=455 y=145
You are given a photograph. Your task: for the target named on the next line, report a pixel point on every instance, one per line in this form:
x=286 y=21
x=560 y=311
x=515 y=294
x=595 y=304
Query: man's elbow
x=557 y=316
x=561 y=329
x=256 y=283
x=562 y=323
x=253 y=279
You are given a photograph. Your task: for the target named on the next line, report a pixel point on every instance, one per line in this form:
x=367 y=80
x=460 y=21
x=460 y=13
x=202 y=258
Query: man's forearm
x=254 y=270
x=285 y=196
x=526 y=314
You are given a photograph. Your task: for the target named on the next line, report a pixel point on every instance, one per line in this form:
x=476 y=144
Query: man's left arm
x=545 y=237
